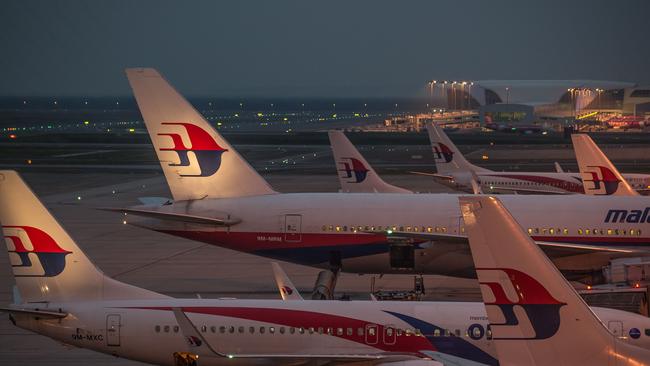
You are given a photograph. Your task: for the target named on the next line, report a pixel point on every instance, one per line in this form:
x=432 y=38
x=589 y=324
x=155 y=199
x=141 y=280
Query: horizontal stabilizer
x=171 y=216
x=36 y=313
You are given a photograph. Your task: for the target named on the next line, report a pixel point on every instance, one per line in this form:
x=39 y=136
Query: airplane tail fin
x=46 y=263
x=287 y=289
x=197 y=161
x=448 y=158
x=599 y=175
x=536 y=317
x=355 y=174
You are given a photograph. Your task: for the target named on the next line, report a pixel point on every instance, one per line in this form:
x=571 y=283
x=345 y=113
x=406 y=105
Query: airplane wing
x=439 y=176
x=173 y=216
x=43 y=314
x=556 y=248
x=287 y=290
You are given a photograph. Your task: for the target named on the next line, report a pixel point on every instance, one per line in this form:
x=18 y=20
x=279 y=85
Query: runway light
x=589 y=287
x=78 y=198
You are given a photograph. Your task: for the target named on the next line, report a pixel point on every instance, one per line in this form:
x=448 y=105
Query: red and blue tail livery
x=354 y=169
x=604 y=180
x=523 y=302
x=205 y=148
x=442 y=153
x=26 y=240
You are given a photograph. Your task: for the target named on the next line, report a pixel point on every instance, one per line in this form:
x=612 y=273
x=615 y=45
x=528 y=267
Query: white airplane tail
x=599 y=175
x=287 y=289
x=536 y=317
x=197 y=161
x=448 y=158
x=46 y=263
x=355 y=174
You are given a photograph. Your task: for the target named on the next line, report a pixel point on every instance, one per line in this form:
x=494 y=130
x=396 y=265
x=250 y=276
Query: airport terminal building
x=554 y=102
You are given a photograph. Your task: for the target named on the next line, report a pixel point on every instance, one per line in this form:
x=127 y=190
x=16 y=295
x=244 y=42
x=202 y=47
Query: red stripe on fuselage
x=251 y=242
x=308 y=319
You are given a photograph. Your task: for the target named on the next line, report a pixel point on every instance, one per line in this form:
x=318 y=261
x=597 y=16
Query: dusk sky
x=311 y=49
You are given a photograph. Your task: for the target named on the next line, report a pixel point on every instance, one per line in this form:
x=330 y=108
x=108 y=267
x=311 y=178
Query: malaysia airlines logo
x=193 y=341
x=521 y=301
x=354 y=169
x=286 y=290
x=604 y=181
x=205 y=148
x=442 y=153
x=26 y=243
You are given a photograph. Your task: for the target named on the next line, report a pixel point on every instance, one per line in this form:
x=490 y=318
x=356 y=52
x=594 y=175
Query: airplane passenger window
x=609 y=231
x=339 y=331
x=371 y=331
x=436 y=333
x=251 y=330
x=271 y=330
x=281 y=330
x=418 y=332
x=262 y=330
x=157 y=328
x=360 y=332
x=311 y=330
x=301 y=330
x=329 y=331
x=566 y=231
x=324 y=228
x=175 y=328
x=647 y=332
x=457 y=332
x=587 y=231
x=389 y=332
x=213 y=329
x=551 y=231
x=231 y=329
x=530 y=231
x=408 y=332
x=241 y=329
x=292 y=330
x=166 y=328
x=349 y=332
x=222 y=329
x=580 y=231
x=320 y=330
x=345 y=228
x=399 y=331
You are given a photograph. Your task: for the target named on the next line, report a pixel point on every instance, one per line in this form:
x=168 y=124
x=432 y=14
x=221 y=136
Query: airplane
x=354 y=172
x=455 y=170
x=219 y=199
x=62 y=295
x=536 y=316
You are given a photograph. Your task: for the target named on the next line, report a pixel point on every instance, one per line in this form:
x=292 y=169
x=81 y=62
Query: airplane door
x=371 y=334
x=389 y=334
x=113 y=324
x=616 y=328
x=292 y=228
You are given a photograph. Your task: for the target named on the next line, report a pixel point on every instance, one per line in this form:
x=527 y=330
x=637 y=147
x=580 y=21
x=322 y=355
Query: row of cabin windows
x=563 y=185
x=565 y=231
x=292 y=330
x=354 y=229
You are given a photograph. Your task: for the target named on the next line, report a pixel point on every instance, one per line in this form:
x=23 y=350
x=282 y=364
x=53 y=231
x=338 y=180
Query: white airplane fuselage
x=241 y=331
x=550 y=182
x=318 y=228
